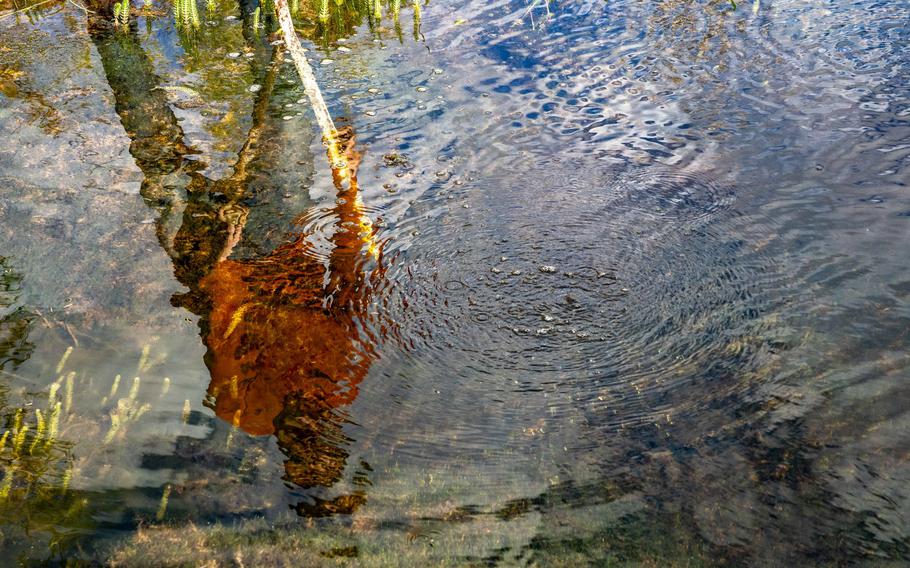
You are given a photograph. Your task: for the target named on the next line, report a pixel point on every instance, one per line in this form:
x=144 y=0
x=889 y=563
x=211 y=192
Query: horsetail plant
x=186 y=17
x=162 y=505
x=41 y=430
x=121 y=19
x=69 y=350
x=256 y=19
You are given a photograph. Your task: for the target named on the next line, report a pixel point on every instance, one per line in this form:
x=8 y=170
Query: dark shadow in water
x=286 y=346
x=15 y=321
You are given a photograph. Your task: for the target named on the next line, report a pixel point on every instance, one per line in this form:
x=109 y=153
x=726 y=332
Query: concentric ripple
x=612 y=292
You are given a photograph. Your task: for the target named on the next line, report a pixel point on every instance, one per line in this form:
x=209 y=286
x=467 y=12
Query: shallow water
x=639 y=295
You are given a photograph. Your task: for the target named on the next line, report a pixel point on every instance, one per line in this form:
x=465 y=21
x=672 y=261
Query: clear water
x=642 y=294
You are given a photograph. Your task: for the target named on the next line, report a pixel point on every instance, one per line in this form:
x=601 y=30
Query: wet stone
x=394 y=159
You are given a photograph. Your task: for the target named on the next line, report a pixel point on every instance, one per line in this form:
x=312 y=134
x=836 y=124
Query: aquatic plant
x=31 y=446
x=186 y=14
x=162 y=506
x=38 y=461
x=33 y=459
x=339 y=18
x=122 y=13
x=36 y=468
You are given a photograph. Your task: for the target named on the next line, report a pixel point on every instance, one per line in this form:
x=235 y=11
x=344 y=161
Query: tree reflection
x=285 y=332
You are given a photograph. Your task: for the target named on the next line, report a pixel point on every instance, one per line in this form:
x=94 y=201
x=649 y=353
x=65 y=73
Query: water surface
x=619 y=282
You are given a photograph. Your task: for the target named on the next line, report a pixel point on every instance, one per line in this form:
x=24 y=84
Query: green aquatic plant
x=186 y=17
x=126 y=412
x=36 y=468
x=162 y=506
x=63 y=359
x=31 y=445
x=122 y=13
x=185 y=415
x=340 y=18
x=39 y=465
x=32 y=457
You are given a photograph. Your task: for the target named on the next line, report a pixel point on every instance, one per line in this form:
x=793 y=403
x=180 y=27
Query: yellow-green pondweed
x=7 y=484
x=69 y=392
x=162 y=507
x=54 y=425
x=19 y=439
x=63 y=359
x=144 y=358
x=41 y=429
x=134 y=390
x=114 y=387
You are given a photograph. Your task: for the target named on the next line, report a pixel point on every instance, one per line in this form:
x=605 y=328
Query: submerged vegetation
x=36 y=463
x=57 y=444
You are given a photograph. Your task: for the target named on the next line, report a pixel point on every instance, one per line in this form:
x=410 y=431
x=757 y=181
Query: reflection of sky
x=166 y=37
